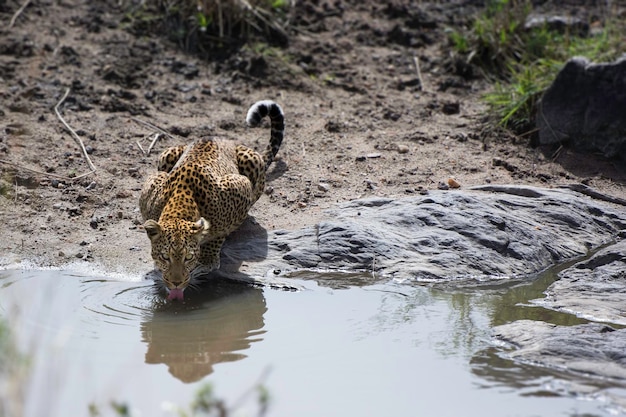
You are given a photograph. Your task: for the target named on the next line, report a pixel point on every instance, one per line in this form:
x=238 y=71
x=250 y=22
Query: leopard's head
x=176 y=250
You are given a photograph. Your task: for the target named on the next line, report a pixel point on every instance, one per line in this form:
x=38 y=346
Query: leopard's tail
x=257 y=112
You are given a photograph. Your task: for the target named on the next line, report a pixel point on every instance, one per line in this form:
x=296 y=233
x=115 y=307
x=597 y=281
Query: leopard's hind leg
x=252 y=166
x=169 y=158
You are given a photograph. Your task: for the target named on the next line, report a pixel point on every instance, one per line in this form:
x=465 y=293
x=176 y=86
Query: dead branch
x=140 y=147
x=47 y=174
x=416 y=61
x=152 y=126
x=156 y=137
x=74 y=134
x=17 y=13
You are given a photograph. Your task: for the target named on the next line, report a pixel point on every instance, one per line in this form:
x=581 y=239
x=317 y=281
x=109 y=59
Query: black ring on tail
x=257 y=112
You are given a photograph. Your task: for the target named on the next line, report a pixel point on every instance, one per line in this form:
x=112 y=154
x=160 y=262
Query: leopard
x=201 y=193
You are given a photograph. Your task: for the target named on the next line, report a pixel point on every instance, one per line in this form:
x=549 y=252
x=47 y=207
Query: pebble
x=123 y=194
x=443 y=186
x=403 y=149
x=323 y=187
x=452 y=183
x=91 y=185
x=373 y=155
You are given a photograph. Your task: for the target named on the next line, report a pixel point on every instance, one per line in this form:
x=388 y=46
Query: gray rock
x=585 y=106
x=490 y=232
x=594 y=289
x=591 y=349
x=563 y=24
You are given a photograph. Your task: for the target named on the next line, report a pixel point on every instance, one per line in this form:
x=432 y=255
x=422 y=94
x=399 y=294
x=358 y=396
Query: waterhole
x=335 y=348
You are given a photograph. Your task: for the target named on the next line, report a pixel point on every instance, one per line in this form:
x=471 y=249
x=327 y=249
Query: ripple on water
x=213 y=325
x=118 y=303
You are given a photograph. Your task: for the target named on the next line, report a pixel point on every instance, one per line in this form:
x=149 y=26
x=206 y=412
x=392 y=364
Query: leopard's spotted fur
x=200 y=194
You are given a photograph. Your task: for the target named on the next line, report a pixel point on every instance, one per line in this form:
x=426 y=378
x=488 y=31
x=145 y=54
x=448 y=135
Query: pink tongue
x=176 y=294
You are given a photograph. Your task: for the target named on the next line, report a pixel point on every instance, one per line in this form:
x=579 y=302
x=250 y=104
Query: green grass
x=14 y=368
x=204 y=404
x=522 y=62
x=209 y=25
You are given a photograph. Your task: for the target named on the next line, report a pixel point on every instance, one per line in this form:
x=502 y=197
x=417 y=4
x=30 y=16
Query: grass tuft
x=209 y=25
x=524 y=61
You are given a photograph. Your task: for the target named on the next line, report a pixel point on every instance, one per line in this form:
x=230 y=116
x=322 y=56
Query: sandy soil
x=358 y=122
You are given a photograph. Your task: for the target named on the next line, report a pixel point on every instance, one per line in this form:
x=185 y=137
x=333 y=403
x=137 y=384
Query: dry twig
x=74 y=134
x=150 y=125
x=416 y=61
x=17 y=13
x=156 y=137
x=140 y=147
x=48 y=174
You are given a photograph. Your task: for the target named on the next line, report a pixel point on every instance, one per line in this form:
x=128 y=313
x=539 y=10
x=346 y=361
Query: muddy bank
x=357 y=123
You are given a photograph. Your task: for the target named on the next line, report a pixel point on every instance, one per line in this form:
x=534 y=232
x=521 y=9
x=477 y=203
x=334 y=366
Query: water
x=379 y=350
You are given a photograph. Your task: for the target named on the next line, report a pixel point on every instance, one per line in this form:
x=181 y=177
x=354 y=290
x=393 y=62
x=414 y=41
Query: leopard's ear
x=152 y=228
x=200 y=228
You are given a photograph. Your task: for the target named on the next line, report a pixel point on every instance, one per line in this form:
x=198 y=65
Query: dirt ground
x=358 y=122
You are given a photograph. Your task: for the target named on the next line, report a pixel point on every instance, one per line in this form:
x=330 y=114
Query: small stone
x=61 y=254
x=79 y=255
x=93 y=223
x=91 y=185
x=451 y=108
x=83 y=243
x=403 y=149
x=443 y=186
x=323 y=187
x=302 y=204
x=361 y=158
x=373 y=155
x=123 y=194
x=452 y=183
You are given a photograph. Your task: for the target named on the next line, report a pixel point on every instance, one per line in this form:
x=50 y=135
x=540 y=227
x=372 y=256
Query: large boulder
x=486 y=233
x=585 y=107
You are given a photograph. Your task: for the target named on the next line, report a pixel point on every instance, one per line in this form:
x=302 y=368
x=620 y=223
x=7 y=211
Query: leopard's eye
x=189 y=256
x=165 y=256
